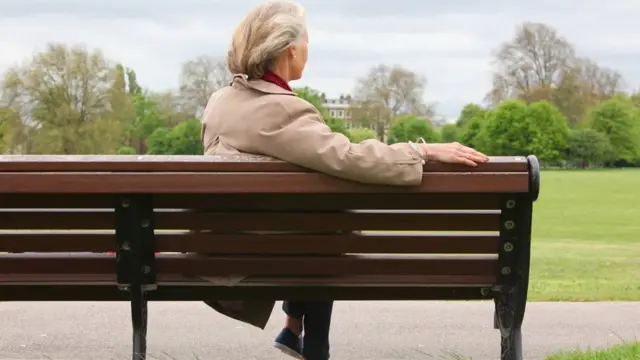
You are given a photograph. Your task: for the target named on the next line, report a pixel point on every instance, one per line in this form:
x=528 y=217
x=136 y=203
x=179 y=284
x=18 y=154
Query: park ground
x=361 y=330
x=585 y=237
x=586 y=246
x=629 y=351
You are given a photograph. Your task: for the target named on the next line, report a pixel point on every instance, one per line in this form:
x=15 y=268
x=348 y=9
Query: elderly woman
x=260 y=114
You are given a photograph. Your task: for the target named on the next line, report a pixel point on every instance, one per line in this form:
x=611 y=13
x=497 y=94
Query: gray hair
x=263 y=35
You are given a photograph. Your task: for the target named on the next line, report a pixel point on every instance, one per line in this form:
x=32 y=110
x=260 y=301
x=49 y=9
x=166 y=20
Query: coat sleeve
x=301 y=137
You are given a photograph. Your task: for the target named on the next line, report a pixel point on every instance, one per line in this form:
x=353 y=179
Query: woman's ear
x=293 y=50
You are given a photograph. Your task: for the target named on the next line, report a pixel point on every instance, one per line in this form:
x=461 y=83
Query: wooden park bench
x=464 y=234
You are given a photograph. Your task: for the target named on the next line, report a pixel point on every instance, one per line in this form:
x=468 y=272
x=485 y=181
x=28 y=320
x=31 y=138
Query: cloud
x=449 y=42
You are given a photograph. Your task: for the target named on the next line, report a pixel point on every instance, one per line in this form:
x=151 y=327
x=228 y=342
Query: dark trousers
x=316 y=321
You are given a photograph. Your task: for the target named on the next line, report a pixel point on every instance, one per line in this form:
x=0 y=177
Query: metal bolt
x=144 y=223
x=125 y=246
x=125 y=203
x=146 y=269
x=484 y=291
x=506 y=270
x=509 y=224
x=508 y=247
x=511 y=204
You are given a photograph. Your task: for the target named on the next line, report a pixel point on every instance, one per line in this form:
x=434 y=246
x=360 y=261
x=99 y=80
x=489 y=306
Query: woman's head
x=272 y=36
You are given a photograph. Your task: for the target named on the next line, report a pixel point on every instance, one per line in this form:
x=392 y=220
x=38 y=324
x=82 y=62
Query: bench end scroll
x=534 y=177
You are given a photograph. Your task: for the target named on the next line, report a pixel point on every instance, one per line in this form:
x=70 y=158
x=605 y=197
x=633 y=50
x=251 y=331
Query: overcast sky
x=448 y=41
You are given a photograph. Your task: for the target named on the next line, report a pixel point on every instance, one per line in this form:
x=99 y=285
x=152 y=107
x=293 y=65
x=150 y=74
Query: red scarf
x=273 y=78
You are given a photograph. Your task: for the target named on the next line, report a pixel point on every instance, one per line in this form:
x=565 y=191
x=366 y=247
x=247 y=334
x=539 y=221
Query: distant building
x=337 y=108
x=340 y=109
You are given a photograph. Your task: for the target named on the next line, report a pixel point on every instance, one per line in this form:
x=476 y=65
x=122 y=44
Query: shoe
x=289 y=343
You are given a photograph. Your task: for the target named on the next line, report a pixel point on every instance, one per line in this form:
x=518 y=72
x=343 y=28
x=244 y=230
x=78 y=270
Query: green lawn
x=586 y=236
x=621 y=352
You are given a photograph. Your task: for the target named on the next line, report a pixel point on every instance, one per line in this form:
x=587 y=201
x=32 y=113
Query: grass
x=586 y=244
x=627 y=351
x=630 y=351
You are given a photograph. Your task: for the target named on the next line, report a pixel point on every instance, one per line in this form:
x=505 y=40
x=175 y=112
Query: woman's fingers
x=472 y=154
x=469 y=157
x=457 y=153
x=475 y=152
x=481 y=155
x=466 y=161
x=476 y=157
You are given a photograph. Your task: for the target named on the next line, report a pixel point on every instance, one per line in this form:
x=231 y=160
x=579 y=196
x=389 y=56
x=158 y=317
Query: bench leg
x=139 y=320
x=514 y=257
x=508 y=321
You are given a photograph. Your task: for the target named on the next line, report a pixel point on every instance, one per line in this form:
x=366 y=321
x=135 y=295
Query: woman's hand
x=454 y=153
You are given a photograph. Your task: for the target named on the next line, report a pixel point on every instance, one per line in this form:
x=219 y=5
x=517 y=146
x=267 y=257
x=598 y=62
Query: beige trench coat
x=258 y=117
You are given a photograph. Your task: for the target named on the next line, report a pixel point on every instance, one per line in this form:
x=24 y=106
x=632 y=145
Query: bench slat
x=439 y=201
x=199 y=293
x=262 y=244
x=258 y=265
x=220 y=183
x=205 y=163
x=177 y=279
x=265 y=221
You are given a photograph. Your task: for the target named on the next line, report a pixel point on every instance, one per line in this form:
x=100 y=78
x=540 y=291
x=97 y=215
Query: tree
x=506 y=130
x=169 y=106
x=132 y=83
x=147 y=118
x=598 y=82
x=360 y=134
x=199 y=78
x=470 y=124
x=126 y=150
x=589 y=147
x=410 y=128
x=11 y=130
x=139 y=114
x=469 y=112
x=64 y=96
x=619 y=120
x=184 y=139
x=118 y=94
x=337 y=126
x=531 y=64
x=540 y=65
x=635 y=99
x=449 y=133
x=367 y=113
x=517 y=129
x=548 y=131
x=584 y=85
x=159 y=142
x=314 y=97
x=472 y=135
x=387 y=92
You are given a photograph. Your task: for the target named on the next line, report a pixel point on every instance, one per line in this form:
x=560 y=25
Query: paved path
x=362 y=330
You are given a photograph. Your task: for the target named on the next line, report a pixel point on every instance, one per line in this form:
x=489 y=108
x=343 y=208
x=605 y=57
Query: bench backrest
x=231 y=207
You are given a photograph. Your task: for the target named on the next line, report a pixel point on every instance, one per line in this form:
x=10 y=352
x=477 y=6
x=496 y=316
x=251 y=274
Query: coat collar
x=260 y=85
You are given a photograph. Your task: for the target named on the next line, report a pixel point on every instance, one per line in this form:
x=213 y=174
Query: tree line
x=545 y=99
